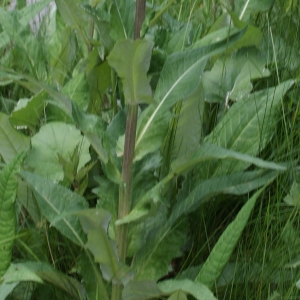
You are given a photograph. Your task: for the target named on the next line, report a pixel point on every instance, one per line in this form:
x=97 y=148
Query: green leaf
x=247 y=127
x=235 y=184
x=178 y=296
x=28 y=112
x=196 y=289
x=54 y=138
x=206 y=154
x=95 y=224
x=42 y=272
x=93 y=128
x=103 y=27
x=179 y=78
x=12 y=141
x=152 y=260
x=77 y=90
x=8 y=190
x=92 y=279
x=210 y=152
x=132 y=69
x=122 y=19
x=141 y=290
x=62 y=48
x=230 y=78
x=293 y=198
x=74 y=16
x=224 y=247
x=244 y=8
x=26 y=199
x=58 y=204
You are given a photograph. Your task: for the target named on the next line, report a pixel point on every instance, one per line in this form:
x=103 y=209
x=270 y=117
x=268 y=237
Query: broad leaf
x=58 y=204
x=220 y=254
x=132 y=68
x=28 y=112
x=54 y=138
x=8 y=190
x=196 y=289
x=230 y=78
x=77 y=90
x=141 y=290
x=12 y=141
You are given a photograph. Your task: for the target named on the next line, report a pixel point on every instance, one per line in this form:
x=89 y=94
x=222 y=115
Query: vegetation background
x=159 y=167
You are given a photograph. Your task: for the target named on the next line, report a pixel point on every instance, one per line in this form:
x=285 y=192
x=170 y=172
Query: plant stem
x=130 y=135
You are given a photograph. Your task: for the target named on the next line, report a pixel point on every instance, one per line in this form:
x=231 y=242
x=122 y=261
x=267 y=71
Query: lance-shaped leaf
x=196 y=289
x=247 y=127
x=131 y=60
x=95 y=225
x=207 y=153
x=236 y=184
x=92 y=277
x=58 y=204
x=221 y=252
x=8 y=190
x=179 y=78
x=41 y=272
x=122 y=19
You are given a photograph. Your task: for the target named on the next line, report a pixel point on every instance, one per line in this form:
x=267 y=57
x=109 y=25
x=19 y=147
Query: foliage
x=197 y=107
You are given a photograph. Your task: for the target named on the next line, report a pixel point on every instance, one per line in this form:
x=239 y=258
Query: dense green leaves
x=58 y=204
x=41 y=273
x=8 y=190
x=132 y=69
x=230 y=78
x=248 y=126
x=221 y=252
x=179 y=78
